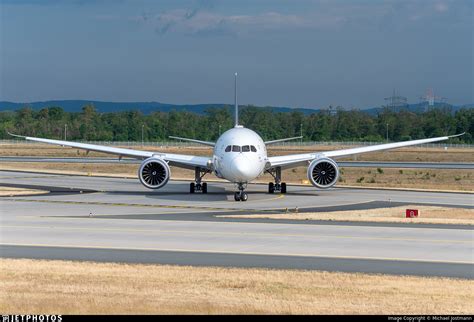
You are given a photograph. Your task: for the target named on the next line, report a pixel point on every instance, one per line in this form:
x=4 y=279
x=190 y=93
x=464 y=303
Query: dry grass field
x=462 y=180
x=10 y=192
x=65 y=287
x=428 y=214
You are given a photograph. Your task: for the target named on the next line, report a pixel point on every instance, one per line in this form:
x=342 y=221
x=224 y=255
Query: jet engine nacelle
x=154 y=173
x=323 y=173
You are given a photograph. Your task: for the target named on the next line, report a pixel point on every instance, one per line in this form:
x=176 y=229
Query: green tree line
x=339 y=125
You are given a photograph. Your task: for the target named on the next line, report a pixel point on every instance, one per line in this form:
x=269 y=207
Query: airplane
x=239 y=156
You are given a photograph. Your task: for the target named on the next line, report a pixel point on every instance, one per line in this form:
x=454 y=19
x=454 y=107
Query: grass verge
x=65 y=287
x=10 y=192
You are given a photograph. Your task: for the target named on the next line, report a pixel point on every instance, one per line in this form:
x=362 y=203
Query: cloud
x=58 y=2
x=198 y=21
x=383 y=15
x=163 y=22
x=441 y=7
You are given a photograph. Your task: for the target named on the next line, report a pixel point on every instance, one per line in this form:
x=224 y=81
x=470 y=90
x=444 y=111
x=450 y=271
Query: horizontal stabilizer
x=283 y=140
x=193 y=140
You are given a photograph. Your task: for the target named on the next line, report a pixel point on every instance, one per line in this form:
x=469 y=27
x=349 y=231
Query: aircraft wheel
x=243 y=196
x=283 y=187
x=237 y=196
x=204 y=187
x=191 y=187
x=271 y=187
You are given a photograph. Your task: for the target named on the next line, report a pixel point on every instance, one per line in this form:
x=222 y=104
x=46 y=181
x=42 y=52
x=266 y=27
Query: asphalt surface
x=118 y=220
x=347 y=164
x=349 y=265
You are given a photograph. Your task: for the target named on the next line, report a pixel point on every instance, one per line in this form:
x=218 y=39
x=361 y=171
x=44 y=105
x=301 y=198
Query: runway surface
x=116 y=219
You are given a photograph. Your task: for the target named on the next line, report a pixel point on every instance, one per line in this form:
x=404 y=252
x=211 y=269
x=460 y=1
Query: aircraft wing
x=282 y=140
x=193 y=140
x=295 y=160
x=178 y=160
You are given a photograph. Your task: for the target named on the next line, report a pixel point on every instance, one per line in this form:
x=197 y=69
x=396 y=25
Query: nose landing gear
x=241 y=195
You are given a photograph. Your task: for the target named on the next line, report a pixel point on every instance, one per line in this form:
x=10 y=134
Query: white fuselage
x=240 y=155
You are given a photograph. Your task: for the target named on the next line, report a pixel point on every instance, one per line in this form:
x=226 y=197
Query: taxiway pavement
x=116 y=219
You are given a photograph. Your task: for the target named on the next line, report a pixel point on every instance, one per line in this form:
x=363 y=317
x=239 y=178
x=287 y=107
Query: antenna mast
x=235 y=101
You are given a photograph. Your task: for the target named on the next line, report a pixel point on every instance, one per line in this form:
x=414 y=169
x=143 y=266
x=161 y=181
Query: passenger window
x=228 y=148
x=245 y=148
x=253 y=148
x=235 y=148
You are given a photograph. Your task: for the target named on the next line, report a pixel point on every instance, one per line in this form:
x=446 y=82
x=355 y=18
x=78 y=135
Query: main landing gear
x=278 y=186
x=241 y=195
x=197 y=185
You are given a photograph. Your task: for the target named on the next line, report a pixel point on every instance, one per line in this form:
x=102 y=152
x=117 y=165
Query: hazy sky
x=287 y=53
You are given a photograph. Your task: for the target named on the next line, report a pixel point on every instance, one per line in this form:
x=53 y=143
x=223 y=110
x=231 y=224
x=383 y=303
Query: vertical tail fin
x=235 y=101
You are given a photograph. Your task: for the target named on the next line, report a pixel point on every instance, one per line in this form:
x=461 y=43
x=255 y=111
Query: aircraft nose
x=241 y=168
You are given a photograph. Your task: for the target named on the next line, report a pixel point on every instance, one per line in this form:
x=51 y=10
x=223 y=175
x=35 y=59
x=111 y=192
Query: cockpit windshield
x=238 y=148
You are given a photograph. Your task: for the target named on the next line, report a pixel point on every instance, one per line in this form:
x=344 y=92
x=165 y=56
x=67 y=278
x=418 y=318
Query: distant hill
x=144 y=107
x=106 y=107
x=149 y=107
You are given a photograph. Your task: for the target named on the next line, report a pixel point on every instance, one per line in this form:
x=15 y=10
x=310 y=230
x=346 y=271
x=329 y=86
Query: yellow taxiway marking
x=121 y=204
x=280 y=209
x=204 y=208
x=279 y=196
x=453 y=195
x=300 y=223
x=31 y=177
x=239 y=253
x=442 y=205
x=214 y=233
x=98 y=203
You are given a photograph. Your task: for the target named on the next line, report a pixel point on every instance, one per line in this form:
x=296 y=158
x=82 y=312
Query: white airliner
x=240 y=156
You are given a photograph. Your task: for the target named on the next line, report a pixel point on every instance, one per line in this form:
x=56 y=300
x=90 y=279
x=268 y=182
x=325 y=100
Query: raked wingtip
x=456 y=135
x=15 y=135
